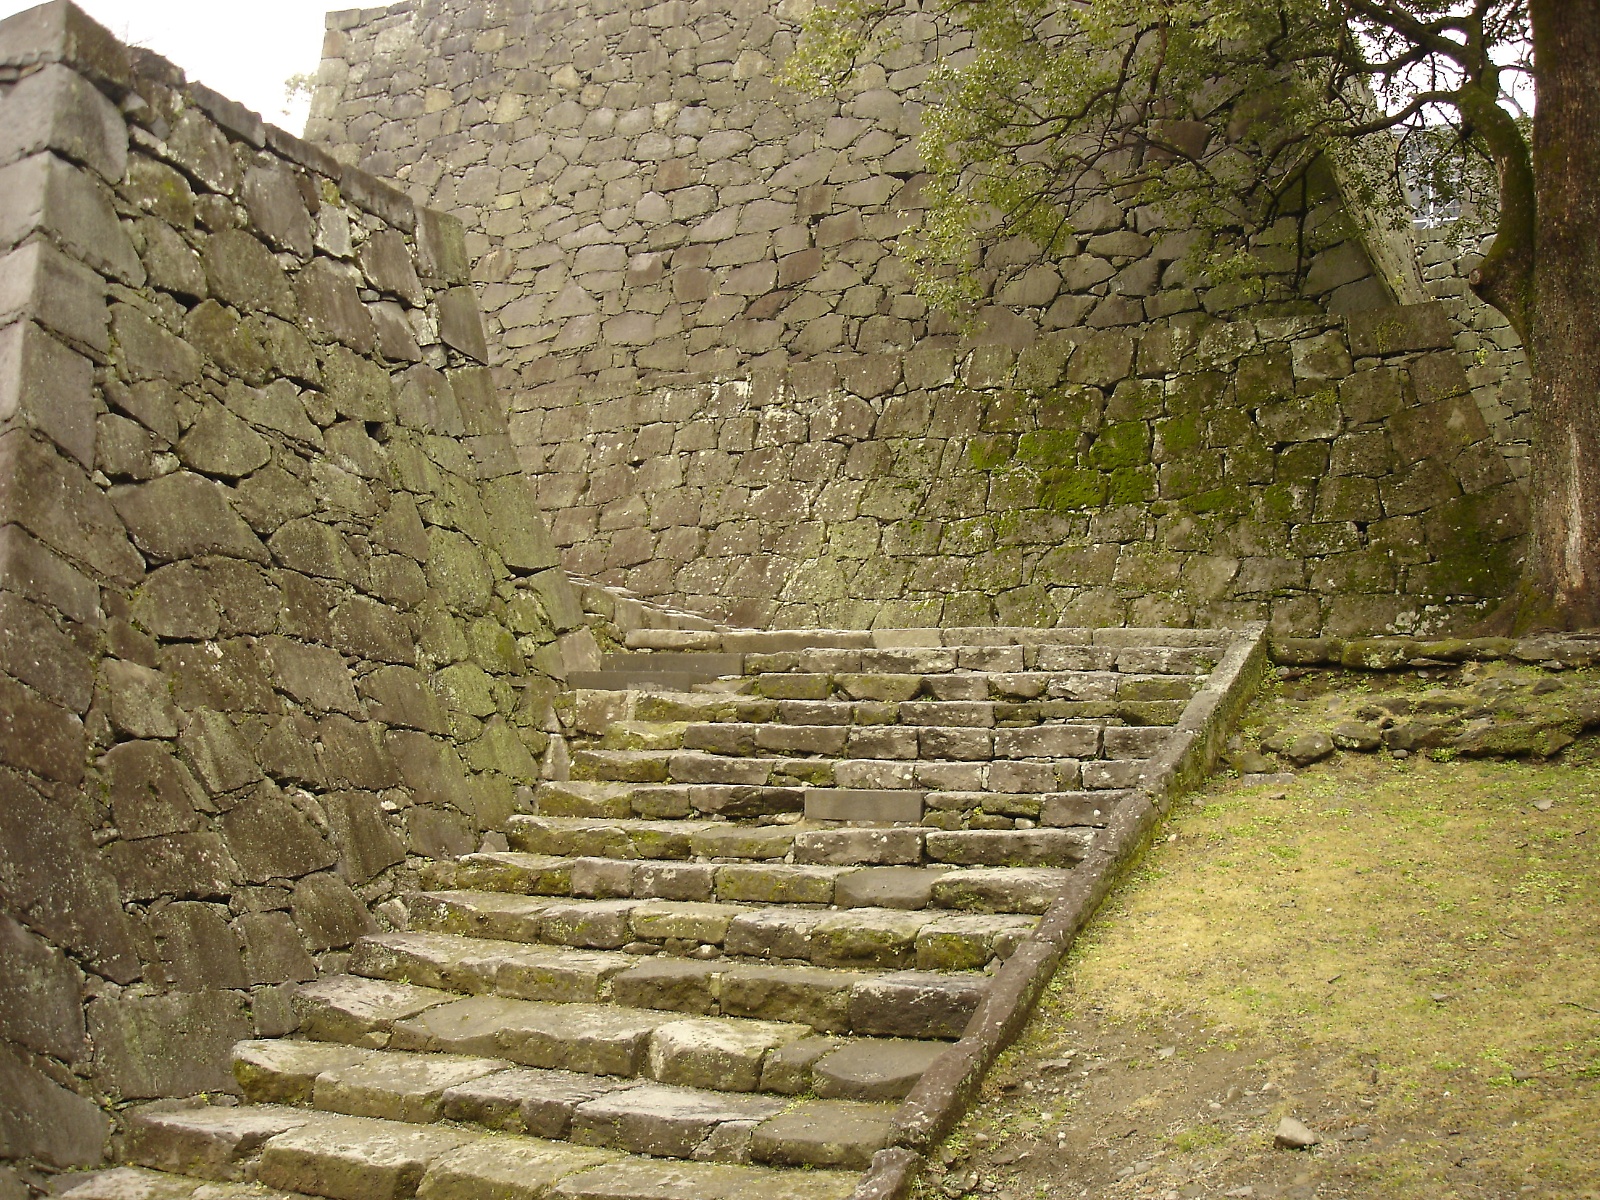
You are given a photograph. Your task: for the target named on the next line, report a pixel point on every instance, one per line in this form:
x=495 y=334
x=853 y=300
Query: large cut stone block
x=47 y=386
x=398 y=1086
x=212 y=1143
x=284 y=1072
x=668 y=1122
x=668 y=1180
x=38 y=281
x=505 y=1169
x=57 y=109
x=824 y=1133
x=873 y=1070
x=343 y=1008
x=48 y=196
x=725 y=1055
x=579 y=1037
x=915 y=1004
x=355 y=1158
x=531 y=1101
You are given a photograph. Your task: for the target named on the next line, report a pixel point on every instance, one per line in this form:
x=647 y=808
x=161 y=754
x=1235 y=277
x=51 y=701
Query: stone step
x=306 y=1152
x=1101 y=686
x=767 y=641
x=593 y=712
x=902 y=1004
x=974 y=889
x=633 y=680
x=608 y=800
x=990 y=773
x=967 y=734
x=802 y=843
x=1141 y=660
x=891 y=939
x=487 y=1033
x=636 y=1115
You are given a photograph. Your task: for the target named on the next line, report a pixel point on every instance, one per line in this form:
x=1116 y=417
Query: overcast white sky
x=243 y=49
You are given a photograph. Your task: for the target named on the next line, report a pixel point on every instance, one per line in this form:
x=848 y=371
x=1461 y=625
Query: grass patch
x=1404 y=955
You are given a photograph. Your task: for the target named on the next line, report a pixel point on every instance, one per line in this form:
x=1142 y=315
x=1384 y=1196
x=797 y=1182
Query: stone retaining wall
x=1488 y=347
x=278 y=615
x=730 y=397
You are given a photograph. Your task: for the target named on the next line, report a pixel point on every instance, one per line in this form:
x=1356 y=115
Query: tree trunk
x=1561 y=581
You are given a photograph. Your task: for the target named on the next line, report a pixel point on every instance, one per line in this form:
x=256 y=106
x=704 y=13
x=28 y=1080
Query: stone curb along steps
x=796 y=893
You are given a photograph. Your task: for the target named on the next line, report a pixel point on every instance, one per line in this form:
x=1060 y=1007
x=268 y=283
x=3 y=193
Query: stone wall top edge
x=344 y=19
x=61 y=32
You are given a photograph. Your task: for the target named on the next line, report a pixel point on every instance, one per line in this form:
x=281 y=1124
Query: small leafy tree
x=1210 y=111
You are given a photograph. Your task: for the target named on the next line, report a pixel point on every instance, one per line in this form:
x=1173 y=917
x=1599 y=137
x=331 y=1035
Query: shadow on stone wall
x=279 y=618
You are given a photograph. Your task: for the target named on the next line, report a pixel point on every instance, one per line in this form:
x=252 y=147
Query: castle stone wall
x=1489 y=348
x=730 y=397
x=279 y=619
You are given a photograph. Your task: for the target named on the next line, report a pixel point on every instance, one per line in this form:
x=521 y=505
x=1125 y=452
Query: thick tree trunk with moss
x=1545 y=275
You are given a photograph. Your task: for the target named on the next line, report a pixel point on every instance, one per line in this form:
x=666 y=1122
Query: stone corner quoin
x=729 y=397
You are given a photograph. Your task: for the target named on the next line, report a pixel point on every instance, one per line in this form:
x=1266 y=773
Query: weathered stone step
x=766 y=641
x=633 y=680
x=882 y=938
x=487 y=1033
x=1102 y=686
x=1040 y=773
x=635 y=1115
x=905 y=1004
x=805 y=844
x=1142 y=660
x=609 y=800
x=593 y=712
x=976 y=889
x=306 y=1152
x=966 y=734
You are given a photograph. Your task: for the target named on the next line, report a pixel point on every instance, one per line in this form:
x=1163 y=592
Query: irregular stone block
x=41 y=1008
x=344 y=1008
x=824 y=1133
x=530 y=1101
x=397 y=1086
x=579 y=1037
x=915 y=1004
x=719 y=1054
x=874 y=1070
x=43 y=1120
x=135 y=1039
x=505 y=1169
x=212 y=1143
x=355 y=1158
x=668 y=1122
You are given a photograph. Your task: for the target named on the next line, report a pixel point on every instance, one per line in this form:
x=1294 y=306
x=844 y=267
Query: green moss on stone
x=1123 y=445
x=987 y=453
x=1133 y=485
x=1230 y=498
x=1068 y=489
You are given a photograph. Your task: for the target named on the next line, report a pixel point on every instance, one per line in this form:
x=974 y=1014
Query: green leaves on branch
x=1206 y=117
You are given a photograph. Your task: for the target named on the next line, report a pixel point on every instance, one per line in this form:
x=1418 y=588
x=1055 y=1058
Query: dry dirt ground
x=1404 y=955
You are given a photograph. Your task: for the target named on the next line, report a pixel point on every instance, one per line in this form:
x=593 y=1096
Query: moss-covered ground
x=1402 y=954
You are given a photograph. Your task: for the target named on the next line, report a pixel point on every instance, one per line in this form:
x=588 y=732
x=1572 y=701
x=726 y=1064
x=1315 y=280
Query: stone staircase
x=772 y=890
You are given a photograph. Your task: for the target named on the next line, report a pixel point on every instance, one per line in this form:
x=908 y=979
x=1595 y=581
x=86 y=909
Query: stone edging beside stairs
x=949 y=1086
